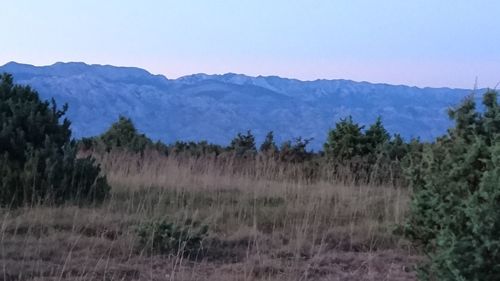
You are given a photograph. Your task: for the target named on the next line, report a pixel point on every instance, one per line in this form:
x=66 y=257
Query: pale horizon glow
x=418 y=43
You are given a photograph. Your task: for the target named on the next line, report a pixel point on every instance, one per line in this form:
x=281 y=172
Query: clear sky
x=414 y=42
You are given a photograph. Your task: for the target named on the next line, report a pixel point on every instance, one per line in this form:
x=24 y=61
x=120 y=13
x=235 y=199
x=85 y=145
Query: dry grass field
x=264 y=224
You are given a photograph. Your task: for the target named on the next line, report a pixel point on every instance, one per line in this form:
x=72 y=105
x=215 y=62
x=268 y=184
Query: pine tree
x=123 y=135
x=455 y=211
x=295 y=152
x=345 y=141
x=375 y=137
x=269 y=146
x=38 y=162
x=243 y=144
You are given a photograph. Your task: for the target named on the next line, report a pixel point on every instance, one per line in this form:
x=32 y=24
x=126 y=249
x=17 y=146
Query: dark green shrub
x=455 y=212
x=375 y=137
x=295 y=152
x=348 y=140
x=368 y=156
x=123 y=135
x=345 y=141
x=243 y=145
x=163 y=237
x=268 y=146
x=195 y=149
x=38 y=162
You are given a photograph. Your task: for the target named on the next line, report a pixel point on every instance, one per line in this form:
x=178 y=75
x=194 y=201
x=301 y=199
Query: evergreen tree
x=375 y=137
x=123 y=134
x=38 y=162
x=269 y=146
x=295 y=152
x=243 y=144
x=455 y=211
x=397 y=148
x=491 y=119
x=345 y=141
x=195 y=149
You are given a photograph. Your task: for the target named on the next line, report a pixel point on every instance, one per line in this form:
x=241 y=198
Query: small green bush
x=243 y=145
x=163 y=237
x=268 y=146
x=194 y=149
x=368 y=156
x=345 y=141
x=122 y=135
x=296 y=151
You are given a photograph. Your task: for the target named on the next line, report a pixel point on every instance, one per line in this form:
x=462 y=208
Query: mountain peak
x=69 y=69
x=71 y=63
x=11 y=63
x=13 y=66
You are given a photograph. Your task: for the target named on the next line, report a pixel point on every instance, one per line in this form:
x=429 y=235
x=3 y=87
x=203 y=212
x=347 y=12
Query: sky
x=445 y=43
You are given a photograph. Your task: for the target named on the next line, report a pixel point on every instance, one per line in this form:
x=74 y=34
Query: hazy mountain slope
x=216 y=107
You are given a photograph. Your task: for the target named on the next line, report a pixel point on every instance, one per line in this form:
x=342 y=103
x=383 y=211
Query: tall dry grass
x=267 y=221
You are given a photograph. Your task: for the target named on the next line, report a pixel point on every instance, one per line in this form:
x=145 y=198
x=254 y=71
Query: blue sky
x=420 y=42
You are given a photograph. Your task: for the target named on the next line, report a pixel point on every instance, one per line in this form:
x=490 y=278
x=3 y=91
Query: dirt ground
x=64 y=256
x=258 y=228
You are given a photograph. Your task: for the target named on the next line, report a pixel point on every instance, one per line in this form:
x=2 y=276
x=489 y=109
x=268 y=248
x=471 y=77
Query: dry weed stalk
x=267 y=221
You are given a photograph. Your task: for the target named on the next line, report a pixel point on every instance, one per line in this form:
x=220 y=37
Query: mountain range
x=216 y=107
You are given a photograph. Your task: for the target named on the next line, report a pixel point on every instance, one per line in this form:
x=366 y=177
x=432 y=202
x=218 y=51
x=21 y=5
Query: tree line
x=372 y=155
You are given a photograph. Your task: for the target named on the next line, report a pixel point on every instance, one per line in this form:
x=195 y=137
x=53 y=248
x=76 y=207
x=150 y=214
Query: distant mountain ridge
x=216 y=107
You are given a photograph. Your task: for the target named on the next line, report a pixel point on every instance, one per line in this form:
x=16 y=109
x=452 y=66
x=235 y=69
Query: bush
x=38 y=162
x=345 y=141
x=122 y=135
x=368 y=156
x=295 y=152
x=243 y=145
x=268 y=146
x=162 y=237
x=195 y=149
x=455 y=212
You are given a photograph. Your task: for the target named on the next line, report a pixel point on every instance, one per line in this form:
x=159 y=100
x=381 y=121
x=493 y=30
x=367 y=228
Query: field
x=265 y=222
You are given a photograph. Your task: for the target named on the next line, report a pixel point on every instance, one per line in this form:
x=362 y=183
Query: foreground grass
x=260 y=228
